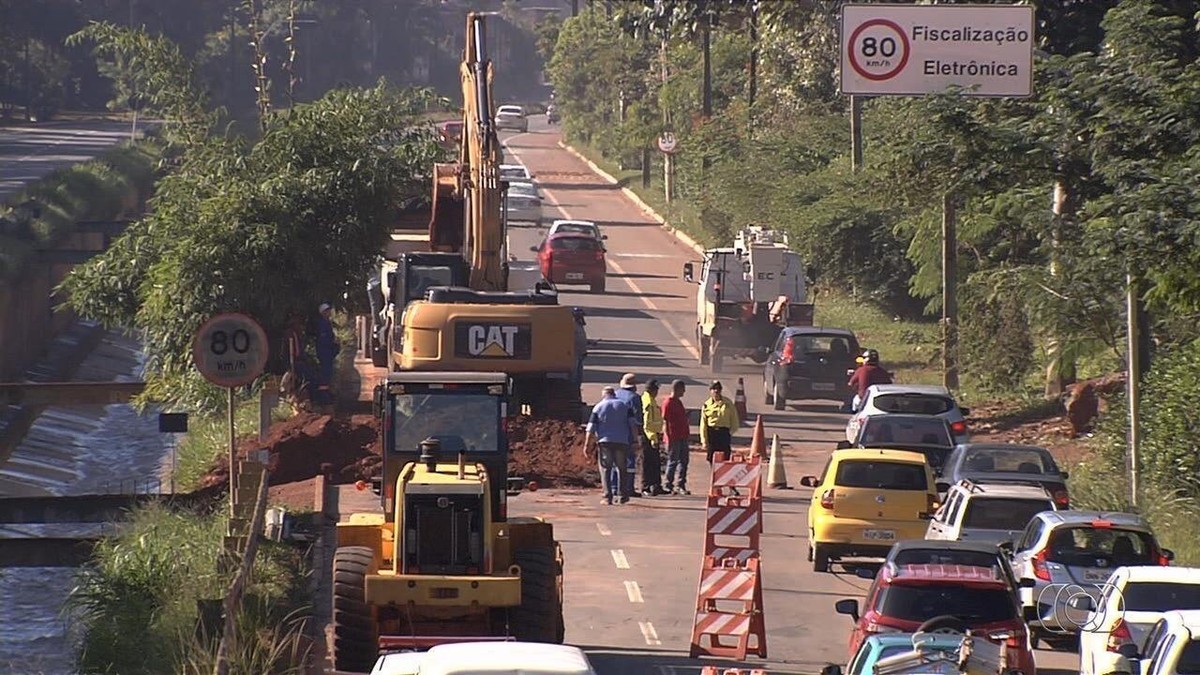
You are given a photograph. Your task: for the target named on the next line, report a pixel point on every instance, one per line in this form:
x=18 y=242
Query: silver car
x=523 y=208
x=512 y=121
x=1066 y=553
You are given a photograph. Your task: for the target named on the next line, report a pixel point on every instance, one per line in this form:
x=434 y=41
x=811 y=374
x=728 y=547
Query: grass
x=140 y=599
x=207 y=440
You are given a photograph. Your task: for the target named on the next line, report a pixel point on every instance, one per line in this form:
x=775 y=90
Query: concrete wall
x=28 y=320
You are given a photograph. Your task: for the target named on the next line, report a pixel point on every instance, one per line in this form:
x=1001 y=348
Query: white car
x=524 y=189
x=1131 y=603
x=523 y=208
x=487 y=658
x=515 y=172
x=991 y=513
x=911 y=399
x=1171 y=648
x=576 y=227
x=512 y=117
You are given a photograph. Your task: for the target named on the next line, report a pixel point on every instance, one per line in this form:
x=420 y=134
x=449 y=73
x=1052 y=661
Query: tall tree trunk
x=1060 y=371
x=753 y=55
x=706 y=93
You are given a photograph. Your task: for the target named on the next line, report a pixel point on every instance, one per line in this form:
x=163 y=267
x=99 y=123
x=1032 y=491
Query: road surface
x=632 y=570
x=29 y=152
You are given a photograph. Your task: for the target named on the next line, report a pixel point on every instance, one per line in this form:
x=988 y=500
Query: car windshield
x=835 y=347
x=1160 y=596
x=1083 y=546
x=1189 y=659
x=940 y=556
x=575 y=228
x=881 y=475
x=574 y=244
x=915 y=431
x=915 y=404
x=462 y=422
x=513 y=172
x=921 y=602
x=1013 y=460
x=522 y=189
x=1000 y=513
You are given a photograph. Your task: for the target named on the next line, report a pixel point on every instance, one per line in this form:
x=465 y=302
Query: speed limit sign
x=230 y=350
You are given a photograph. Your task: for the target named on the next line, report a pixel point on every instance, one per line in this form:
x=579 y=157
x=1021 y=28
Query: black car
x=927 y=434
x=809 y=363
x=924 y=552
x=1006 y=463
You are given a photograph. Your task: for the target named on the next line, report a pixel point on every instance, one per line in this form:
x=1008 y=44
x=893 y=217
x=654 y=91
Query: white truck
x=746 y=294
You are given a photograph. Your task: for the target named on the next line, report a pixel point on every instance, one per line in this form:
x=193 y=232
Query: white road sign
x=667 y=142
x=913 y=50
x=230 y=350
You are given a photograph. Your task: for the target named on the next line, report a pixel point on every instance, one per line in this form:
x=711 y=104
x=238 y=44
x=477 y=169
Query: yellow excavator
x=449 y=317
x=443 y=562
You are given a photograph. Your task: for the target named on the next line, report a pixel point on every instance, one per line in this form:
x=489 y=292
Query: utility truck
x=746 y=294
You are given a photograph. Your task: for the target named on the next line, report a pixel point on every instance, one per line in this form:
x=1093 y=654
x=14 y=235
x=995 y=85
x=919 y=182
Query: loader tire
x=539 y=617
x=355 y=641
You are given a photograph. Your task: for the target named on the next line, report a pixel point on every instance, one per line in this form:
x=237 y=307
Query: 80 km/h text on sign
x=913 y=50
x=230 y=350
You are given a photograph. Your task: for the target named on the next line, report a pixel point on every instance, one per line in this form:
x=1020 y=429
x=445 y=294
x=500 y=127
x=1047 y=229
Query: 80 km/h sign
x=230 y=350
x=894 y=49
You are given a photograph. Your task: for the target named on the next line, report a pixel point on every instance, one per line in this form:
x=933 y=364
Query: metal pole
x=706 y=93
x=1133 y=385
x=856 y=149
x=949 y=293
x=574 y=7
x=232 y=456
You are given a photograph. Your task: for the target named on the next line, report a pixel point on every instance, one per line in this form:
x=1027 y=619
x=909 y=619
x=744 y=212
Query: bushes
x=106 y=188
x=995 y=341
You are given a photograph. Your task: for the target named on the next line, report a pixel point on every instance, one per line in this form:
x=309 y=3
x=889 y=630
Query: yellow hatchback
x=866 y=500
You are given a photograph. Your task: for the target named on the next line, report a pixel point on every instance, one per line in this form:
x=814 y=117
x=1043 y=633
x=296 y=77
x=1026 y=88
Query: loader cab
x=465 y=412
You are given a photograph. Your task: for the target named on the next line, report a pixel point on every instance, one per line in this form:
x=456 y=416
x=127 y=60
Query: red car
x=572 y=258
x=927 y=597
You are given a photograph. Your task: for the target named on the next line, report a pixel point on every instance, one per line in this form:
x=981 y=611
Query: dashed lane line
x=634 y=592
x=649 y=633
x=641 y=295
x=619 y=559
x=604 y=531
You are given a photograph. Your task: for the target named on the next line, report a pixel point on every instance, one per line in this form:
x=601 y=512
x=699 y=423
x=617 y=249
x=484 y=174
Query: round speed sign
x=230 y=350
x=879 y=50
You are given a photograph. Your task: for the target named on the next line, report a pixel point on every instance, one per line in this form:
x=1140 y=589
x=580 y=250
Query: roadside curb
x=633 y=197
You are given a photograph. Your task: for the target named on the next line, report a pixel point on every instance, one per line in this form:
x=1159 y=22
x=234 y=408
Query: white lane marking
x=633 y=591
x=649 y=633
x=620 y=560
x=641 y=295
x=604 y=531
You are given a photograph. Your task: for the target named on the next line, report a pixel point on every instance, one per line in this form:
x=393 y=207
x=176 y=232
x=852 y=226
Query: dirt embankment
x=347 y=448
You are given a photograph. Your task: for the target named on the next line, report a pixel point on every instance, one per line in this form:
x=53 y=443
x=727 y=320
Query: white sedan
x=1131 y=602
x=512 y=117
x=585 y=227
x=911 y=399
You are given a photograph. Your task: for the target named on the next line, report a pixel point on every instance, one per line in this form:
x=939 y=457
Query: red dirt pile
x=308 y=444
x=549 y=452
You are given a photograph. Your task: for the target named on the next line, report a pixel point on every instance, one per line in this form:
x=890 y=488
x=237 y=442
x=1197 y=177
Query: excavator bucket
x=447 y=226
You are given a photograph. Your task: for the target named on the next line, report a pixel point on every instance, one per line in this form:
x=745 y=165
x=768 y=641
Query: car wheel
x=768 y=399
x=820 y=558
x=780 y=397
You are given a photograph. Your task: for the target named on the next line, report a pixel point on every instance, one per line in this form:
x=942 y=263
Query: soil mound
x=550 y=452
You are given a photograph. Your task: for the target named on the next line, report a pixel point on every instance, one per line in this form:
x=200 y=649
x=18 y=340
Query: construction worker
x=611 y=430
x=718 y=419
x=629 y=395
x=327 y=351
x=652 y=430
x=679 y=436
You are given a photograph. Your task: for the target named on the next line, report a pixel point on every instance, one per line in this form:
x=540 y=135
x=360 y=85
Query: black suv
x=1005 y=463
x=809 y=363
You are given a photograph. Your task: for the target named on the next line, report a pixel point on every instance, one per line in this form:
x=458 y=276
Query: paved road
x=632 y=570
x=28 y=152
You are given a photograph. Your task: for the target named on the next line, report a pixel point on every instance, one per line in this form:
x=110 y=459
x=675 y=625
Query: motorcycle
x=552 y=116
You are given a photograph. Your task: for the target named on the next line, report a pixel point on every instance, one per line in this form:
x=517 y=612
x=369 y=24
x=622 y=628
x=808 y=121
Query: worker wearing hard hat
x=718 y=419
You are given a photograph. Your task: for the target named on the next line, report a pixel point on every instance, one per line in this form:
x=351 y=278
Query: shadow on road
x=641 y=276
x=625 y=294
x=625 y=346
x=617 y=313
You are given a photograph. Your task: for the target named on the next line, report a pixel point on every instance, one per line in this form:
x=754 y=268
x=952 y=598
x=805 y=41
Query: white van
x=487 y=658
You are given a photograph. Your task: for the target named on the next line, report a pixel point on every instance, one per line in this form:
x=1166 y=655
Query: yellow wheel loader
x=443 y=562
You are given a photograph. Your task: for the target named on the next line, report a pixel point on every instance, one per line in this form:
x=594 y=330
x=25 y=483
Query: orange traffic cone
x=739 y=402
x=758 y=442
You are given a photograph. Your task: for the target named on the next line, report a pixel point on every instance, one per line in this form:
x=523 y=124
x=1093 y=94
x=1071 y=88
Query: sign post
x=919 y=50
x=230 y=350
x=667 y=144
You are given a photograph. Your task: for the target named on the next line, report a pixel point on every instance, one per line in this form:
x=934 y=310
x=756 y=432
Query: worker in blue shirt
x=628 y=394
x=611 y=430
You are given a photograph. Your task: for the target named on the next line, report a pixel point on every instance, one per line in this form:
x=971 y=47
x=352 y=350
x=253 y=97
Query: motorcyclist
x=868 y=372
